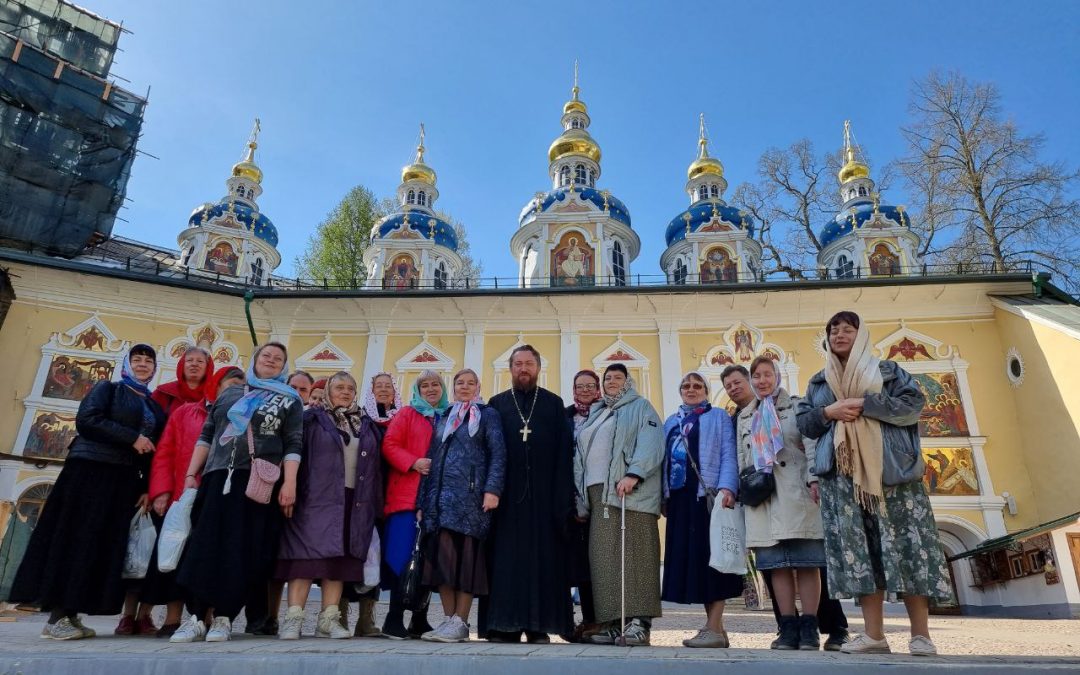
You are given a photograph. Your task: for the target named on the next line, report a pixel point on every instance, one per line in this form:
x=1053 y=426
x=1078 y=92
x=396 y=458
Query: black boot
x=789 y=634
x=394 y=624
x=418 y=624
x=809 y=640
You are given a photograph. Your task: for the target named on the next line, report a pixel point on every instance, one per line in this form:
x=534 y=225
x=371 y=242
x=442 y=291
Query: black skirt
x=233 y=546
x=75 y=557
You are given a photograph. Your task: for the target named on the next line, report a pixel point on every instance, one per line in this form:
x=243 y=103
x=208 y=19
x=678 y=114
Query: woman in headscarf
x=169 y=471
x=880 y=535
x=619 y=457
x=75 y=558
x=586 y=392
x=784 y=531
x=194 y=371
x=699 y=463
x=468 y=466
x=339 y=494
x=381 y=402
x=405 y=450
x=233 y=544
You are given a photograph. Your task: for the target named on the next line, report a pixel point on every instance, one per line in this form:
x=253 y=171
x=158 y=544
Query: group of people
x=514 y=502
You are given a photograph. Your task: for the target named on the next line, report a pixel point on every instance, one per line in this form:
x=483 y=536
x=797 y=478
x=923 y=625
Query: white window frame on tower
x=618 y=263
x=862 y=191
x=410 y=197
x=680 y=272
x=257 y=271
x=564 y=175
x=845 y=267
x=714 y=191
x=421 y=198
x=703 y=192
x=581 y=175
x=441 y=277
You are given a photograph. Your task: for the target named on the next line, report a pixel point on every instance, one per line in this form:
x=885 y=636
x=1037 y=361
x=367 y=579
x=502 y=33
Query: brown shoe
x=365 y=623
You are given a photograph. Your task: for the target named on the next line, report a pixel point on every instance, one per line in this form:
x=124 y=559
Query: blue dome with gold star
x=703 y=213
x=615 y=208
x=241 y=213
x=419 y=225
x=841 y=224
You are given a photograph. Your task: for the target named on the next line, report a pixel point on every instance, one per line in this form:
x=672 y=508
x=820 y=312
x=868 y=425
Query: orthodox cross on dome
x=703 y=139
x=420 y=147
x=254 y=137
x=575 y=89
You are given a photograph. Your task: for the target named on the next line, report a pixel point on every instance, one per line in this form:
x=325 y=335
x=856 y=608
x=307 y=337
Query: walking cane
x=622 y=573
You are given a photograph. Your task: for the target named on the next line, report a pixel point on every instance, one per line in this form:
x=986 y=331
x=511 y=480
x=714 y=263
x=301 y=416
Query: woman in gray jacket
x=880 y=535
x=619 y=455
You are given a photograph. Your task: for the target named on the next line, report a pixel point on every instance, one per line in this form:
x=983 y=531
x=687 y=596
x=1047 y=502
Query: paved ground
x=975 y=645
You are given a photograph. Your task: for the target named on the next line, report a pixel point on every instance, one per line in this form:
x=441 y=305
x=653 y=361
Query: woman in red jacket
x=193 y=375
x=405 y=449
x=170 y=466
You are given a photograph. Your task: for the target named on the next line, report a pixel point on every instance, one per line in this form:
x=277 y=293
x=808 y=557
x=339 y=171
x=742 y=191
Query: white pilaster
x=474 y=347
x=670 y=366
x=569 y=358
x=376 y=349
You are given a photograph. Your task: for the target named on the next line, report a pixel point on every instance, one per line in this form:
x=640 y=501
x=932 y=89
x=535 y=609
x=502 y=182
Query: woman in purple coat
x=338 y=494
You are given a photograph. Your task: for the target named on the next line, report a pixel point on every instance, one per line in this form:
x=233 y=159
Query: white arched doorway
x=956 y=536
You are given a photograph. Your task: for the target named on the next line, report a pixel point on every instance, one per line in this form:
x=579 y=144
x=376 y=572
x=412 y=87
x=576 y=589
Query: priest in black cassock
x=529 y=586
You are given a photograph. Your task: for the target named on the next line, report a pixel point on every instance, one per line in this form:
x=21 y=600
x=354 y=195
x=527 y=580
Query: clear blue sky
x=341 y=86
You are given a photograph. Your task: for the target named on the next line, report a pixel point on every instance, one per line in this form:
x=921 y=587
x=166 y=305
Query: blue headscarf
x=259 y=391
x=679 y=442
x=127 y=377
x=423 y=407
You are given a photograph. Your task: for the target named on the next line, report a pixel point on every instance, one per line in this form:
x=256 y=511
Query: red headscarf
x=172 y=395
x=582 y=400
x=214 y=381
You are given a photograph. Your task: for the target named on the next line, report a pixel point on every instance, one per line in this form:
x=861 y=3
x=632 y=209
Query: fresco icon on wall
x=222 y=259
x=572 y=261
x=70 y=378
x=950 y=472
x=50 y=435
x=943 y=414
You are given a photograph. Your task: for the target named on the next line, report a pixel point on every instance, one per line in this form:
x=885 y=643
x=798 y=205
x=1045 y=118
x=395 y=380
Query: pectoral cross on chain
x=525 y=431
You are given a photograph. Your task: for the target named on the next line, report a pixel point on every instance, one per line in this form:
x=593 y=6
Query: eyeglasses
x=584 y=387
x=693 y=385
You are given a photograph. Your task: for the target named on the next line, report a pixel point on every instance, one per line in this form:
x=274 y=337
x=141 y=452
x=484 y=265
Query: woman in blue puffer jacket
x=468 y=465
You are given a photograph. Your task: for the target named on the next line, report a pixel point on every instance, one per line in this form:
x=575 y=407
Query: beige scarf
x=858 y=444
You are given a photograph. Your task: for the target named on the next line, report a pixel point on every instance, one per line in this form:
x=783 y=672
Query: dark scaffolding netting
x=67 y=142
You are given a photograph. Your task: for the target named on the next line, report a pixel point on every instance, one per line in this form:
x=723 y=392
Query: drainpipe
x=248 y=297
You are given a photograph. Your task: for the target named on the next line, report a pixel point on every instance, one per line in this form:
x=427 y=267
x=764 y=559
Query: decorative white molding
x=325 y=356
x=621 y=352
x=940 y=350
x=501 y=366
x=1014 y=379
x=207 y=335
x=750 y=345
x=424 y=356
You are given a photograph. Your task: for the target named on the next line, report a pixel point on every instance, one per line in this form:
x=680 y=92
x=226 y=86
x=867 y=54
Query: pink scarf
x=457 y=413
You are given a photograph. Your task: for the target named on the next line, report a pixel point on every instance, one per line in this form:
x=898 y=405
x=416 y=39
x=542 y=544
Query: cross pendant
x=525 y=431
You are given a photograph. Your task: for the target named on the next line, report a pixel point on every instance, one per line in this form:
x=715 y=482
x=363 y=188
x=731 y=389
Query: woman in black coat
x=75 y=557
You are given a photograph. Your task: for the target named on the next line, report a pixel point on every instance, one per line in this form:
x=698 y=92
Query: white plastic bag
x=140 y=546
x=727 y=540
x=175 y=531
x=372 y=563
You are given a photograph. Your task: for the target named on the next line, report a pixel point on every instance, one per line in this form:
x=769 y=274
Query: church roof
x=701 y=214
x=841 y=224
x=241 y=212
x=419 y=223
x=616 y=209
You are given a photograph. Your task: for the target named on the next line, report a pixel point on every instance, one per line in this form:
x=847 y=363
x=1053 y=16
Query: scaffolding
x=67 y=135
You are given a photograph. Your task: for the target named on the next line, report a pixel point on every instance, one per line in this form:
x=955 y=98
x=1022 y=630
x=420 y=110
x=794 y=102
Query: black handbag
x=414 y=595
x=755 y=486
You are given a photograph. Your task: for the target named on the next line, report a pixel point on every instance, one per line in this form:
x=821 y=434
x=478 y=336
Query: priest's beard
x=525 y=382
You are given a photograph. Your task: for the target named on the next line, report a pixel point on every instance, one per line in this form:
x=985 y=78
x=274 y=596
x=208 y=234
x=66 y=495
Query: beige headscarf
x=858 y=444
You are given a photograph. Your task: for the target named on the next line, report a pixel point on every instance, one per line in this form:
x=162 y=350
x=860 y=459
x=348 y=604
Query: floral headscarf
x=346 y=418
x=461 y=409
x=766 y=437
x=371 y=406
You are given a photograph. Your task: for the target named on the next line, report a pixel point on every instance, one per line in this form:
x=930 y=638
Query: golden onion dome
x=703 y=166
x=247 y=168
x=853 y=169
x=418 y=171
x=574 y=142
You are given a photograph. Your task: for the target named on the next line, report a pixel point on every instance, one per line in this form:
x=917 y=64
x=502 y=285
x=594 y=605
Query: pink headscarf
x=456 y=415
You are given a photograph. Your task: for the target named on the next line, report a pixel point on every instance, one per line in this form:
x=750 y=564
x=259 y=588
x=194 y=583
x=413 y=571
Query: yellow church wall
x=995 y=411
x=1048 y=402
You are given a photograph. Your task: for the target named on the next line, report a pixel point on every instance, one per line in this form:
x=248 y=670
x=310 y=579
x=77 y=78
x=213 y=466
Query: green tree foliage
x=335 y=251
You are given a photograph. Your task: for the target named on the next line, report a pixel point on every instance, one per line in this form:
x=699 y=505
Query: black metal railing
x=157 y=268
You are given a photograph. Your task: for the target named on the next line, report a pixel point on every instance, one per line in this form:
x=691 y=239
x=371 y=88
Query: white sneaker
x=864 y=644
x=452 y=630
x=921 y=645
x=192 y=630
x=220 y=630
x=330 y=625
x=63 y=629
x=290 y=626
x=431 y=633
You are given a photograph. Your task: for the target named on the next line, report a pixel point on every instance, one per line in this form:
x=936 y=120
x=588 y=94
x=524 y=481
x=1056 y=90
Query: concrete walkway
x=23 y=652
